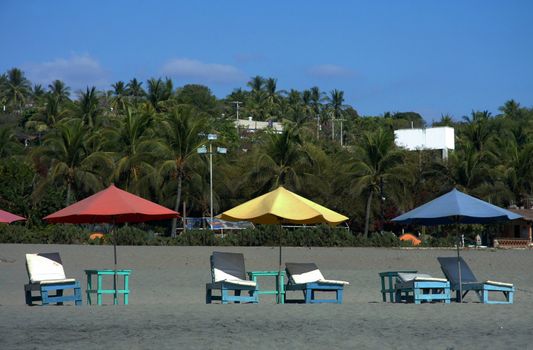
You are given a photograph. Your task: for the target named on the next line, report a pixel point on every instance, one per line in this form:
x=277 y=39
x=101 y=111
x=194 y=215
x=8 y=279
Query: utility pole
x=318 y=126
x=237 y=104
x=342 y=134
x=332 y=127
x=210 y=152
x=382 y=201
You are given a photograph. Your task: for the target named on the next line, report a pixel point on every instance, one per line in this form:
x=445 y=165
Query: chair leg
x=340 y=293
x=485 y=296
x=59 y=293
x=44 y=297
x=77 y=293
x=27 y=294
x=416 y=295
x=224 y=293
x=208 y=295
x=308 y=296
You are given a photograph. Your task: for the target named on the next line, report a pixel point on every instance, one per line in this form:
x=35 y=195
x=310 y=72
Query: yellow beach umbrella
x=282 y=206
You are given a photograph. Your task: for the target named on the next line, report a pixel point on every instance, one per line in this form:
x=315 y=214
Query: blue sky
x=431 y=57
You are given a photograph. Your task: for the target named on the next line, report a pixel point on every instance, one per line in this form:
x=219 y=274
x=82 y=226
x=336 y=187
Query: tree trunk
x=176 y=208
x=68 y=193
x=367 y=215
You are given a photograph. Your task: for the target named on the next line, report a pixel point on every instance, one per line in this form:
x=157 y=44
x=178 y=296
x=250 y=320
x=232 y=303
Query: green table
x=99 y=285
x=390 y=288
x=280 y=283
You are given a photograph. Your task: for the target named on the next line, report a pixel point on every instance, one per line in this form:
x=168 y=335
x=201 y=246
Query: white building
x=254 y=125
x=442 y=138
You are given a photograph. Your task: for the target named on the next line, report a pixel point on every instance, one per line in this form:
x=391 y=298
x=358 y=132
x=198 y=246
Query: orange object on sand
x=96 y=235
x=410 y=237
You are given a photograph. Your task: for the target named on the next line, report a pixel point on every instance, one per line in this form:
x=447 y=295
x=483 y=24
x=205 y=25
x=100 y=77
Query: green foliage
x=51 y=234
x=57 y=148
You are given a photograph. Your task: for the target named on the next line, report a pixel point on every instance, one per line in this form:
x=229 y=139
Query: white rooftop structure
x=442 y=138
x=254 y=125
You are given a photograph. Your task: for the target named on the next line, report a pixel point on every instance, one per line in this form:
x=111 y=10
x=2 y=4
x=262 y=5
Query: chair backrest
x=450 y=269
x=300 y=273
x=227 y=266
x=44 y=267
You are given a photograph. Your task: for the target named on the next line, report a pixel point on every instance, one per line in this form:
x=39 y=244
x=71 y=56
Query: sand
x=167 y=303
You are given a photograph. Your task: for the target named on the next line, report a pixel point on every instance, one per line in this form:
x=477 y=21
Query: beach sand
x=167 y=303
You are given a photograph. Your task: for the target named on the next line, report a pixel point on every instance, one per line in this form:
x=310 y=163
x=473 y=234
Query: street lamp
x=203 y=150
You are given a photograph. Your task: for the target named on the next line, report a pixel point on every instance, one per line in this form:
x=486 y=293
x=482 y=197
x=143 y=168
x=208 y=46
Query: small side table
x=390 y=287
x=99 y=286
x=280 y=283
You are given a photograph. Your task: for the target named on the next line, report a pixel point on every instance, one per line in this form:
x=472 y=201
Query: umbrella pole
x=115 y=300
x=279 y=269
x=460 y=299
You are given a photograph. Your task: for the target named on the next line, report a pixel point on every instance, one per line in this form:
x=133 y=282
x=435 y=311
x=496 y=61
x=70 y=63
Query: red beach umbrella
x=7 y=217
x=113 y=206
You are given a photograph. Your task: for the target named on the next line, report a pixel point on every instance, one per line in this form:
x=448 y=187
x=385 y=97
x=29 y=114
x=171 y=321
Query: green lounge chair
x=470 y=282
x=229 y=275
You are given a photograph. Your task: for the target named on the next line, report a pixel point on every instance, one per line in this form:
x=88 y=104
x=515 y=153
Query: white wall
x=430 y=138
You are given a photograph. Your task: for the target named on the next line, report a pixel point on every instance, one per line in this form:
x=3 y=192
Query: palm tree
x=377 y=161
x=445 y=120
x=119 y=101
x=16 y=88
x=8 y=143
x=70 y=159
x=516 y=168
x=135 y=90
x=477 y=130
x=158 y=92
x=181 y=130
x=88 y=107
x=135 y=146
x=336 y=102
x=38 y=93
x=256 y=84
x=281 y=160
x=59 y=90
x=512 y=110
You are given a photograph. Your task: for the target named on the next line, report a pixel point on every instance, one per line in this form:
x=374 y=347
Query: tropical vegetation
x=58 y=146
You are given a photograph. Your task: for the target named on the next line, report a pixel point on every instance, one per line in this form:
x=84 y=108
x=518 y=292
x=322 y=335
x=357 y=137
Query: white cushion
x=494 y=283
x=333 y=282
x=406 y=277
x=66 y=280
x=308 y=277
x=41 y=268
x=221 y=275
x=430 y=279
x=241 y=282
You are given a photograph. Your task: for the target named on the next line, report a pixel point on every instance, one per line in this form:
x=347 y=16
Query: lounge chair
x=306 y=277
x=228 y=274
x=46 y=274
x=470 y=283
x=419 y=287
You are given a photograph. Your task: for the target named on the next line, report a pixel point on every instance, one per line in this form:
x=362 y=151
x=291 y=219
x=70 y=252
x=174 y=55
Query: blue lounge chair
x=306 y=277
x=420 y=287
x=46 y=274
x=470 y=283
x=229 y=275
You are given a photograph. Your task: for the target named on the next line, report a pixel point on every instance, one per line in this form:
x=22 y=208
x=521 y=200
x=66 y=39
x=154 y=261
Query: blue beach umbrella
x=456 y=207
